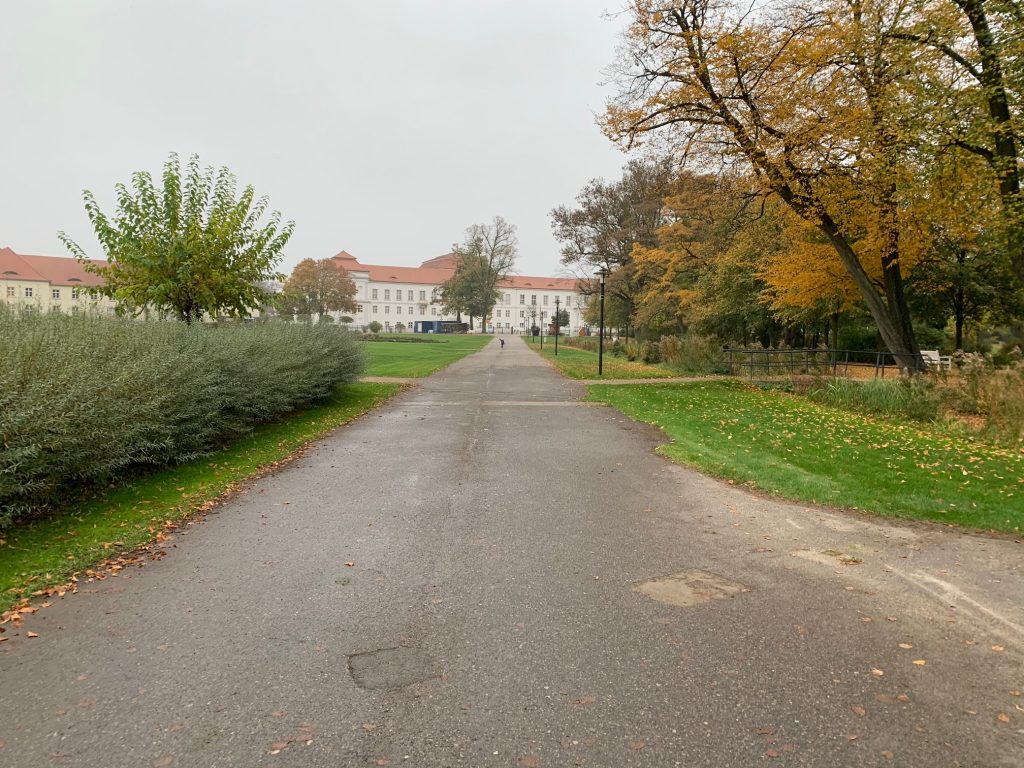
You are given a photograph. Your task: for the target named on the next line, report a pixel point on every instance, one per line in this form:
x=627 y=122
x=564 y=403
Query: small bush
x=83 y=400
x=692 y=353
x=994 y=393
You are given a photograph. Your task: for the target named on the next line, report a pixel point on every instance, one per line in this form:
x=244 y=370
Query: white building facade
x=397 y=297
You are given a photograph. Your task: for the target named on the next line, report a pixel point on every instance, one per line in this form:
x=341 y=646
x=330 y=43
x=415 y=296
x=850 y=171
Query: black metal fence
x=776 y=363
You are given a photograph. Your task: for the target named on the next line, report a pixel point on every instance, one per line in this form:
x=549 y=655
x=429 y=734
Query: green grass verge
x=46 y=552
x=418 y=360
x=582 y=363
x=792 y=447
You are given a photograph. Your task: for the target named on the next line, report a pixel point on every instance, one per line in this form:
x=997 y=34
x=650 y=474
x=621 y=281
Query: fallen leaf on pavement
x=349 y=564
x=369 y=727
x=771 y=753
x=906 y=646
x=527 y=761
x=636 y=746
x=858 y=710
x=997 y=648
x=163 y=762
x=1002 y=717
x=31 y=634
x=877 y=673
x=920 y=662
x=887 y=755
x=587 y=699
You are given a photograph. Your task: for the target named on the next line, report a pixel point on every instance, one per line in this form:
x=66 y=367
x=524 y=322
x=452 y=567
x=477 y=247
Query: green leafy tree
x=191 y=247
x=318 y=287
x=485 y=258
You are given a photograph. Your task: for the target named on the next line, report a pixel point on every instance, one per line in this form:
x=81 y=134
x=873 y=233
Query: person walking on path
x=502 y=342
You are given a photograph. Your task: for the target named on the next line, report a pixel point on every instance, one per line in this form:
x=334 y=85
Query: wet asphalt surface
x=453 y=581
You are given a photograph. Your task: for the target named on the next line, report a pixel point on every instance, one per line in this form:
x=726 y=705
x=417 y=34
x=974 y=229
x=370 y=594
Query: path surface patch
x=390 y=668
x=686 y=589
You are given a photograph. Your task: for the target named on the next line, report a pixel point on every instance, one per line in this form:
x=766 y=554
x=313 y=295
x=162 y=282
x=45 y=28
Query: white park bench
x=933 y=359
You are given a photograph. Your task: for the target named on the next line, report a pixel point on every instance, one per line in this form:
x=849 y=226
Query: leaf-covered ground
x=582 y=363
x=418 y=360
x=47 y=552
x=789 y=446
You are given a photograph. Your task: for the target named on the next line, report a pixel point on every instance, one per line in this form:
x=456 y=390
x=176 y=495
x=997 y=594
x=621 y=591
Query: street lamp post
x=603 y=273
x=558 y=321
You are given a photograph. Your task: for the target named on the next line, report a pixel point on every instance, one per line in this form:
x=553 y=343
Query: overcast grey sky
x=381 y=128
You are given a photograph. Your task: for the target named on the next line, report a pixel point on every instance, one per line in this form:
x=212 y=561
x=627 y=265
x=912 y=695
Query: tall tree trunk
x=1005 y=151
x=835 y=330
x=893 y=320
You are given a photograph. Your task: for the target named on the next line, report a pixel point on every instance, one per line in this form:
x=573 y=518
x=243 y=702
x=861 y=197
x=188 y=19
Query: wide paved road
x=464 y=578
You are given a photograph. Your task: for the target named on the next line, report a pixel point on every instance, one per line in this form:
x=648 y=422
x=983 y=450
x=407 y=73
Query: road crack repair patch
x=688 y=588
x=390 y=668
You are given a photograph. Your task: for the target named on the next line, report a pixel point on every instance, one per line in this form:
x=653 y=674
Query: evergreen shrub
x=84 y=400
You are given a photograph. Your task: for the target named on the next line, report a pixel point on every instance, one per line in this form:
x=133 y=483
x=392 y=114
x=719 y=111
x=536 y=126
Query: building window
x=10 y=292
x=545 y=301
x=508 y=298
x=55 y=293
x=398 y=310
x=29 y=309
x=522 y=298
x=359 y=307
x=433 y=310
x=507 y=313
x=387 y=294
x=423 y=309
x=522 y=313
x=74 y=293
x=423 y=295
x=387 y=309
x=375 y=309
x=374 y=292
x=93 y=295
x=28 y=293
x=74 y=310
x=533 y=299
x=410 y=308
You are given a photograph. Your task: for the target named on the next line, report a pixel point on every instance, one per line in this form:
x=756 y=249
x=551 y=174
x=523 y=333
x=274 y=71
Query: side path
x=489 y=572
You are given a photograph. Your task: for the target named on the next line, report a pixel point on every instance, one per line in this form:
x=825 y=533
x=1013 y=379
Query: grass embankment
x=582 y=363
x=392 y=358
x=789 y=446
x=41 y=553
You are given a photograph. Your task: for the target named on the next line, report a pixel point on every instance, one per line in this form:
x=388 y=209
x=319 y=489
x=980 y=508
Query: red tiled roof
x=58 y=270
x=438 y=269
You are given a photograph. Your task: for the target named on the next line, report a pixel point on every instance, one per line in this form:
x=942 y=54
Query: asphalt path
x=489 y=572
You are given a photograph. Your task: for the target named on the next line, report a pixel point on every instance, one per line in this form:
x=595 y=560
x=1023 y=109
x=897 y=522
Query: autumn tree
x=192 y=246
x=810 y=98
x=318 y=287
x=608 y=220
x=976 y=97
x=484 y=259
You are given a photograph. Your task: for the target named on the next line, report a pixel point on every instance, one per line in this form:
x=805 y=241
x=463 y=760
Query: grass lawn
x=395 y=358
x=791 y=447
x=47 y=552
x=582 y=363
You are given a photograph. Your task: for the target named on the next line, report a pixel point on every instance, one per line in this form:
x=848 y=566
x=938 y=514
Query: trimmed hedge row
x=84 y=399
